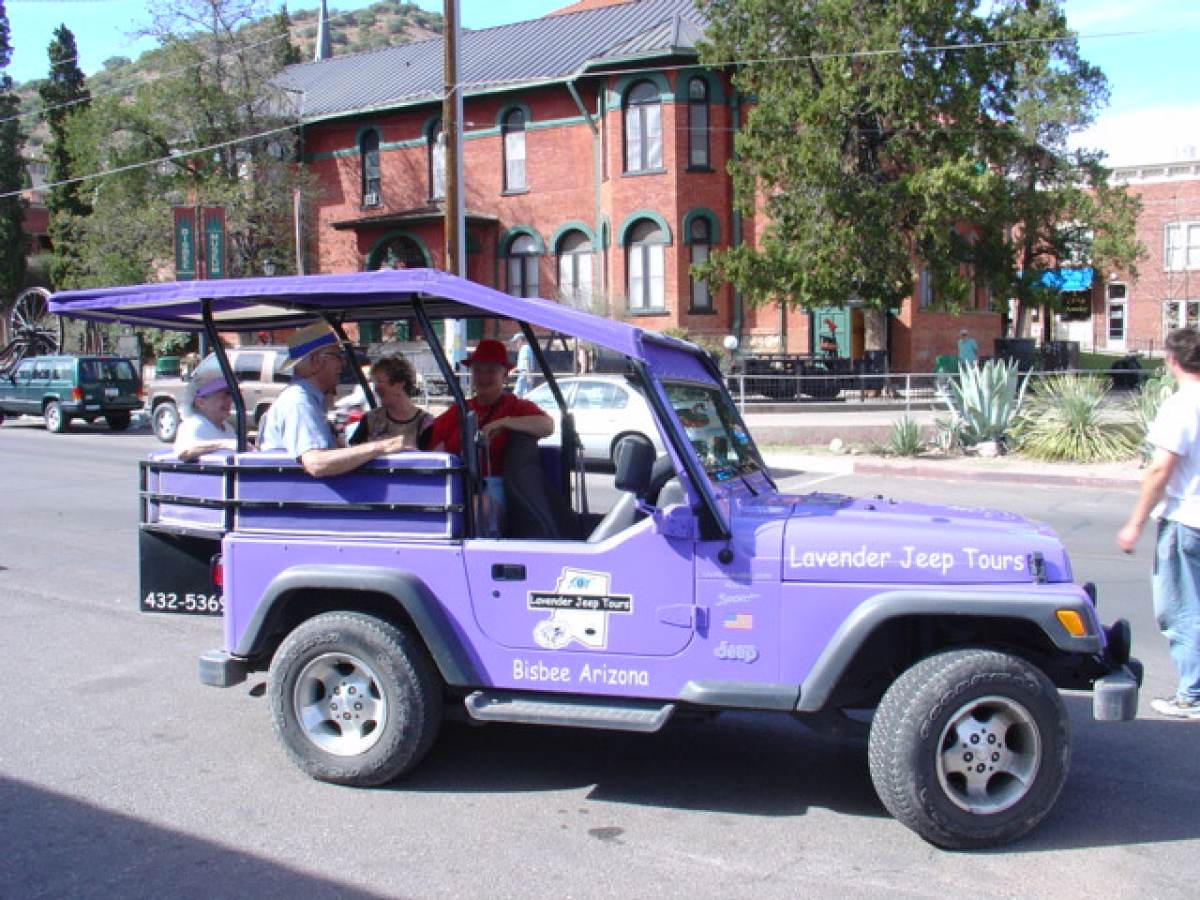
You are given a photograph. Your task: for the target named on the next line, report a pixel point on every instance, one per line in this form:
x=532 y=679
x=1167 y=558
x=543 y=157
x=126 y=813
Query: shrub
x=1063 y=420
x=983 y=401
x=904 y=439
x=1144 y=403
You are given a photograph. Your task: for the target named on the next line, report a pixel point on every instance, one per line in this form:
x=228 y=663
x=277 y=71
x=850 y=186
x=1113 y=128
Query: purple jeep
x=378 y=599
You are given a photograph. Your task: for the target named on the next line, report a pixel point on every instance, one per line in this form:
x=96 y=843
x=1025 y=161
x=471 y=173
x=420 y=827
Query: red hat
x=489 y=351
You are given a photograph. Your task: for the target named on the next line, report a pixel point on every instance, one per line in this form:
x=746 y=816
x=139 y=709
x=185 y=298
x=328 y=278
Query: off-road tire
x=166 y=422
x=118 y=421
x=403 y=675
x=54 y=417
x=914 y=718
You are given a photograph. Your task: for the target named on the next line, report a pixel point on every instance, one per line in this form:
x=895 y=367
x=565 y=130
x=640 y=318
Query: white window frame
x=1181 y=246
x=1116 y=297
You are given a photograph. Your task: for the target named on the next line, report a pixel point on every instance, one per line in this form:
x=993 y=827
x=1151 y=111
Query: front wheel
x=166 y=422
x=354 y=699
x=56 y=420
x=970 y=748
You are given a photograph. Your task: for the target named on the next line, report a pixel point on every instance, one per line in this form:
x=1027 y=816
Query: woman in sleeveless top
x=395 y=383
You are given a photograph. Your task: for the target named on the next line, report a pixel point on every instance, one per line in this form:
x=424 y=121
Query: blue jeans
x=1177 y=600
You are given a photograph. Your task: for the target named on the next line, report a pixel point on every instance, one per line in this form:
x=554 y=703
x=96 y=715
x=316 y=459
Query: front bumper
x=1115 y=696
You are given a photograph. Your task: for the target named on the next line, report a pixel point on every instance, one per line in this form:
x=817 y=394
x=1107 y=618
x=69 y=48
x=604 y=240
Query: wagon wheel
x=32 y=320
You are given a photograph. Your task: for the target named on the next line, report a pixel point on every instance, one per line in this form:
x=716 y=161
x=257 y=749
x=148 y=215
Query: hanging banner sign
x=214 y=242
x=185 y=243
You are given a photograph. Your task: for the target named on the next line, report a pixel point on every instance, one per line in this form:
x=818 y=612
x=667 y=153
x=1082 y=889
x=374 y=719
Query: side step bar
x=593 y=712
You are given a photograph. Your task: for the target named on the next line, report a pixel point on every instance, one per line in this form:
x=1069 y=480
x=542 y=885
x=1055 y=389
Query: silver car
x=607 y=409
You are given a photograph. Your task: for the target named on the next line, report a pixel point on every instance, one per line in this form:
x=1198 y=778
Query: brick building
x=1136 y=312
x=595 y=155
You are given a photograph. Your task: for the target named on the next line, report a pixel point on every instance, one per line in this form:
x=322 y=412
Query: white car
x=607 y=409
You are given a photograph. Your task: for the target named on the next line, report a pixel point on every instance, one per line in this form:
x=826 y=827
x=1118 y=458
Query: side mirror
x=635 y=460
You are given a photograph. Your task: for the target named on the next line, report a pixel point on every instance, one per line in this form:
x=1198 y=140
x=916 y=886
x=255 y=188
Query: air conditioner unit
x=371 y=198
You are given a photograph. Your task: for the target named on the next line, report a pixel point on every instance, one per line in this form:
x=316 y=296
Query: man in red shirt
x=496 y=411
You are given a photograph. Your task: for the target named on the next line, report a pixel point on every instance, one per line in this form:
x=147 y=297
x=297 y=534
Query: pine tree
x=64 y=95
x=13 y=243
x=283 y=50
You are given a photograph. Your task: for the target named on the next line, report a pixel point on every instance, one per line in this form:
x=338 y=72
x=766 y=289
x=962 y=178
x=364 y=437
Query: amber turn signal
x=1071 y=621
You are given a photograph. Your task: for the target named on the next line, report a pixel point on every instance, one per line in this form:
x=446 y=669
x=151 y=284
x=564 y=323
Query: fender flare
x=442 y=638
x=1037 y=609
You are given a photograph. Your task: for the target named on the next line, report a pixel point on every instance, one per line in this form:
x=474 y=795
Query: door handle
x=508 y=572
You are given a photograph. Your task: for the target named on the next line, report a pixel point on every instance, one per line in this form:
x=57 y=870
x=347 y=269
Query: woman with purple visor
x=206 y=428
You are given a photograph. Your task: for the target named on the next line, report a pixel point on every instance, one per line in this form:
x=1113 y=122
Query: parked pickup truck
x=260 y=376
x=378 y=599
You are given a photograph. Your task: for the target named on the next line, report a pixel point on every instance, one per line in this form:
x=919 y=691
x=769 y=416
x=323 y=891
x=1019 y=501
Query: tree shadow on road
x=57 y=846
x=741 y=763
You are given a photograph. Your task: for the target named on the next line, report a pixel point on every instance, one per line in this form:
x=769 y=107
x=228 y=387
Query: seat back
x=533 y=508
x=625 y=512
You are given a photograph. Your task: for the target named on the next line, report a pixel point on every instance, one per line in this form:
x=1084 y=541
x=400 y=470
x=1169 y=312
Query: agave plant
x=984 y=399
x=1144 y=403
x=1063 y=420
x=904 y=439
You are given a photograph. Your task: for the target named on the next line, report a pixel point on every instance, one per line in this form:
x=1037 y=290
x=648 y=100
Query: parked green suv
x=61 y=388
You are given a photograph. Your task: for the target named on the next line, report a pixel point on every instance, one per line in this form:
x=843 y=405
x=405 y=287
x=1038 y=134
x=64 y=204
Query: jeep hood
x=836 y=538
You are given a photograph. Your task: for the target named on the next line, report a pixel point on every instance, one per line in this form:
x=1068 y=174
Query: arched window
x=513 y=129
x=437 y=160
x=575 y=267
x=368 y=151
x=399 y=253
x=523 y=259
x=643 y=128
x=698 y=124
x=645 y=269
x=700 y=238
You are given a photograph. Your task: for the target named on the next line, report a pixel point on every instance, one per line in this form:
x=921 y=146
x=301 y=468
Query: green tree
x=12 y=178
x=869 y=165
x=64 y=95
x=214 y=130
x=285 y=52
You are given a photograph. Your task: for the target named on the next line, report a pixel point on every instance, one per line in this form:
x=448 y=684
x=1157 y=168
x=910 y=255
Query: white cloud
x=1150 y=135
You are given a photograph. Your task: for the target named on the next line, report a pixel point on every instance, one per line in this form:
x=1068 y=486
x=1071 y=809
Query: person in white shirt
x=1171 y=493
x=206 y=428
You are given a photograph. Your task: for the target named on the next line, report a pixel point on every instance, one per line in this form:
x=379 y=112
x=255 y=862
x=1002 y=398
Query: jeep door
x=633 y=594
x=19 y=390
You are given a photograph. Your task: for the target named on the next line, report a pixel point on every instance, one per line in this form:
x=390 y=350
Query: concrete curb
x=956 y=470
x=997 y=476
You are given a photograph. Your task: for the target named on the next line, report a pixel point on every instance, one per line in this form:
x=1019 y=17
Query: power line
x=180 y=154
x=122 y=89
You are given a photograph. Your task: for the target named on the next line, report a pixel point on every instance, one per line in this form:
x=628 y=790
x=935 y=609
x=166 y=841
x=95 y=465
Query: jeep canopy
x=257 y=304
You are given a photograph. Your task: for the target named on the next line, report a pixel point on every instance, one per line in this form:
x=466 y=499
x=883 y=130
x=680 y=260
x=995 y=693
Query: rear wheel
x=970 y=748
x=118 y=421
x=354 y=699
x=56 y=420
x=166 y=422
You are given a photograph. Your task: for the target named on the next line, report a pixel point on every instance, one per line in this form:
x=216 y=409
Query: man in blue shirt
x=968 y=350
x=296 y=421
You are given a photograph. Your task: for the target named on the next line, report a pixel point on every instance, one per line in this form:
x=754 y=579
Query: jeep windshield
x=706 y=412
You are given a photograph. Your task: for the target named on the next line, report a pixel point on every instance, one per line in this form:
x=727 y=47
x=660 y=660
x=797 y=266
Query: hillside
x=379 y=25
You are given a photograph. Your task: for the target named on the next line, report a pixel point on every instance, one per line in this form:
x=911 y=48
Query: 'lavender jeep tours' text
x=378 y=599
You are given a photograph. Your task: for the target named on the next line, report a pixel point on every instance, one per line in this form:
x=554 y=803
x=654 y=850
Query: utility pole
x=454 y=259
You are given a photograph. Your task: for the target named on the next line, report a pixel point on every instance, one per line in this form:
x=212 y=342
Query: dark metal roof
x=548 y=49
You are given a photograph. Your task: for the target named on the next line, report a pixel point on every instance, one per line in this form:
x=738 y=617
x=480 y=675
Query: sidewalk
x=1004 y=469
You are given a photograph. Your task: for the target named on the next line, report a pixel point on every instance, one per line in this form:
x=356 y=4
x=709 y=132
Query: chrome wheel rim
x=165 y=420
x=53 y=417
x=988 y=755
x=339 y=704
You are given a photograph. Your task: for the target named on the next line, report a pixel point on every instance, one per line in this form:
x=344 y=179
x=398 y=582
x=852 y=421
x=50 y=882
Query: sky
x=1145 y=47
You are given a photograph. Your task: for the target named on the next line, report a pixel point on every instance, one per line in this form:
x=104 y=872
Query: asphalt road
x=122 y=776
